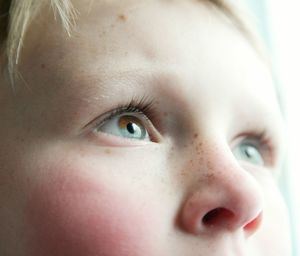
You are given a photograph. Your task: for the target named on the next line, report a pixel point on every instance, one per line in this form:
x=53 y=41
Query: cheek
x=274 y=235
x=76 y=217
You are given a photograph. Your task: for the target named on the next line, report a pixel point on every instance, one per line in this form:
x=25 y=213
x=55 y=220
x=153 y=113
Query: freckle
x=184 y=172
x=196 y=135
x=107 y=151
x=122 y=17
x=209 y=165
x=43 y=66
x=209 y=176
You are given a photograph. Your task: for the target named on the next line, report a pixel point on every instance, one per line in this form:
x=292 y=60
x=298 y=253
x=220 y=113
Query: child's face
x=196 y=177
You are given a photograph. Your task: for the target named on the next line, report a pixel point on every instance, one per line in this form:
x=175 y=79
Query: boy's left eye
x=126 y=125
x=250 y=152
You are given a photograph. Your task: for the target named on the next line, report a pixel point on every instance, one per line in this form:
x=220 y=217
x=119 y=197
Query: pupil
x=247 y=152
x=130 y=128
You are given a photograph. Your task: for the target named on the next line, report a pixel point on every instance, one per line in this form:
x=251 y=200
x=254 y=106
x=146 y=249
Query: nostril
x=210 y=212
x=217 y=217
x=253 y=225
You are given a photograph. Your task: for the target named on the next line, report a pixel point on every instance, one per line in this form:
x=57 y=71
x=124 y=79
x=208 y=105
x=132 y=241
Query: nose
x=227 y=197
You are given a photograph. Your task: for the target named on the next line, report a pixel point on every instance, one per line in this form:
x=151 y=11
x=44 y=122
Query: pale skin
x=72 y=185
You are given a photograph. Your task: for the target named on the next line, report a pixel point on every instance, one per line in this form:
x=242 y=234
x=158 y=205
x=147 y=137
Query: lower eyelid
x=109 y=140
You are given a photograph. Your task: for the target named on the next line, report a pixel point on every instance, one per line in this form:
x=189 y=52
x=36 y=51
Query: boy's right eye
x=131 y=121
x=126 y=125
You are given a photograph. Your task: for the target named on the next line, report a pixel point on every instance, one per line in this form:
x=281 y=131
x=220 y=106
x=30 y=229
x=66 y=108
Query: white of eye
x=125 y=125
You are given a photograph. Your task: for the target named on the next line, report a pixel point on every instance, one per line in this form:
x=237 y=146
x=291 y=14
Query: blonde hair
x=16 y=16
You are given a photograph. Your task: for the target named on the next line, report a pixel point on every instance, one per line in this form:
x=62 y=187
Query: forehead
x=121 y=39
x=151 y=29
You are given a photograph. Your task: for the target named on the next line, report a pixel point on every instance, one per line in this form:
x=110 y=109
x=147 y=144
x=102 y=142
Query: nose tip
x=213 y=211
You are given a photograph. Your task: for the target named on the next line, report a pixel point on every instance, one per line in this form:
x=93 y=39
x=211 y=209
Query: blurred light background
x=279 y=23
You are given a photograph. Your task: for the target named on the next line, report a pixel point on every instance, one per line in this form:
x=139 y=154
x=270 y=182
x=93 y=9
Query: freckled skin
x=67 y=190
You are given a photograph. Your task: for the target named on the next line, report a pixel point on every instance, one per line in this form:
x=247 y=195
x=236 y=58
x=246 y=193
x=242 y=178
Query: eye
x=249 y=151
x=126 y=125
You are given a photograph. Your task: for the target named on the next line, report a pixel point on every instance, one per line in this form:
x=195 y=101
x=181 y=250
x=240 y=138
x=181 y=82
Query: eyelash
x=143 y=106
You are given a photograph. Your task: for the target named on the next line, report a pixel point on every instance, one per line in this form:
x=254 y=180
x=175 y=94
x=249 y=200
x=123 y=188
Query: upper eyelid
x=153 y=133
x=119 y=111
x=109 y=114
x=260 y=137
x=257 y=138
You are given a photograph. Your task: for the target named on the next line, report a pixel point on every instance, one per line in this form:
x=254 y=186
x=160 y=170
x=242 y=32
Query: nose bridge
x=225 y=196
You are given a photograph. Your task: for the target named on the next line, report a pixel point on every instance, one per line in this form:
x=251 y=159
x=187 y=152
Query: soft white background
x=279 y=23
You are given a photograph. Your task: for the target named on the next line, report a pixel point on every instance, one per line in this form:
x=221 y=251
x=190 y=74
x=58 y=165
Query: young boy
x=153 y=130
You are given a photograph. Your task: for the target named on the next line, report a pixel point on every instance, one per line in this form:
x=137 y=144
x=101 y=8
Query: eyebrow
x=100 y=89
x=106 y=86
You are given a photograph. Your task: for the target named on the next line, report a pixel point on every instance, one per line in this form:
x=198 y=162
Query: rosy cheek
x=76 y=217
